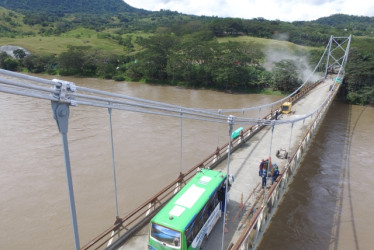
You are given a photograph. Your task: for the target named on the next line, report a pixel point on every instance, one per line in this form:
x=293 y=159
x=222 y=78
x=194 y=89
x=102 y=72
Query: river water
x=329 y=204
x=34 y=210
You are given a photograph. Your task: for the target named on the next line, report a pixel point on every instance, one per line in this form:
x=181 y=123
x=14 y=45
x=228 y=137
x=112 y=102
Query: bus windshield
x=165 y=235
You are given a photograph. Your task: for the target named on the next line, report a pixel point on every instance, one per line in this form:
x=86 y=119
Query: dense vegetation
x=110 y=39
x=69 y=6
x=359 y=78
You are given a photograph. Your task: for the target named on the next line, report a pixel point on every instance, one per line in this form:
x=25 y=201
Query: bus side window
x=201 y=219
x=191 y=232
x=210 y=207
x=196 y=225
x=216 y=200
x=195 y=230
x=207 y=211
x=213 y=203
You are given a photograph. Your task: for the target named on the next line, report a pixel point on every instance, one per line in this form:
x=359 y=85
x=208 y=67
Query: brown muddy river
x=329 y=205
x=34 y=202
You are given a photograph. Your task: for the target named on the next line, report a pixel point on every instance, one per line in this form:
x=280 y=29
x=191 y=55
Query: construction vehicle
x=286 y=108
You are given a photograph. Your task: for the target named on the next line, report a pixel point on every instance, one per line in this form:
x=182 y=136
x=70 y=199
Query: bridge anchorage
x=244 y=221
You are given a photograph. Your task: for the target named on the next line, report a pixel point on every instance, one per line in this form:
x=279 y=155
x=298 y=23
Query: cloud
x=285 y=10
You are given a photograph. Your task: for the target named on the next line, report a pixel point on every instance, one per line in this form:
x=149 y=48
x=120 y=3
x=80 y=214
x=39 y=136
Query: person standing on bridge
x=275 y=173
x=264 y=177
x=261 y=167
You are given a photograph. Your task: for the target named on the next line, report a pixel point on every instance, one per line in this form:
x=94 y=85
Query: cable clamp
x=64 y=88
x=231 y=119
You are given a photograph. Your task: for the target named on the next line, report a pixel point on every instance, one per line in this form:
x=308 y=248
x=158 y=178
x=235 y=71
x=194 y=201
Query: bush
x=39 y=64
x=10 y=64
x=119 y=78
x=7 y=62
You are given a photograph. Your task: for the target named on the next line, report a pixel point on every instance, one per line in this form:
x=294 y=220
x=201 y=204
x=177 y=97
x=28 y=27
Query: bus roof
x=185 y=205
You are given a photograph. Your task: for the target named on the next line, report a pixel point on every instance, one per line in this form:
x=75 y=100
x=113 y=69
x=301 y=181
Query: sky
x=284 y=10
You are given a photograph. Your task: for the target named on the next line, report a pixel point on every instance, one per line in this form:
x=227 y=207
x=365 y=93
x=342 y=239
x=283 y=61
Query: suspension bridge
x=250 y=207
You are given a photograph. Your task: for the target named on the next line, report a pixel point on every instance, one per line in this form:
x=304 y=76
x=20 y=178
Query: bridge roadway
x=244 y=164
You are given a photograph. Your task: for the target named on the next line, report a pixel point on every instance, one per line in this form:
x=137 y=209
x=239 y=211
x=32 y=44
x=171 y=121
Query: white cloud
x=285 y=10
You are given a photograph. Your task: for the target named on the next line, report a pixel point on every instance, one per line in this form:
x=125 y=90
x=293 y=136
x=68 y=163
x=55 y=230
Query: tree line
x=197 y=61
x=184 y=50
x=358 y=83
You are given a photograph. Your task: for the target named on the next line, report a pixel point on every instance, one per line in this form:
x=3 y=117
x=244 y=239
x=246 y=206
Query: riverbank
x=265 y=91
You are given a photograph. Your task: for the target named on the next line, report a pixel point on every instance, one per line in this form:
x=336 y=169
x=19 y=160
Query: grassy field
x=59 y=44
x=258 y=40
x=86 y=37
x=282 y=45
x=79 y=37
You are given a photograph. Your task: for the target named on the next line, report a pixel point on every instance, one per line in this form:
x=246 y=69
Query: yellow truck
x=286 y=107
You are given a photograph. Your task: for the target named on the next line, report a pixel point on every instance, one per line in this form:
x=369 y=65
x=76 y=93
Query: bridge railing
x=123 y=228
x=256 y=226
x=141 y=215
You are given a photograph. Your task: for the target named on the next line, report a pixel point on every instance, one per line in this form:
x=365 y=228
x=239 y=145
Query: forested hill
x=110 y=39
x=70 y=6
x=362 y=25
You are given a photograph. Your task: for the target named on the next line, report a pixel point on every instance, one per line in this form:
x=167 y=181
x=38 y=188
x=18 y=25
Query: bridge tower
x=338 y=49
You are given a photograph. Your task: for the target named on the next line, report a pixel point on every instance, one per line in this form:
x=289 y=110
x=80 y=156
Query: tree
x=230 y=67
x=11 y=64
x=7 y=62
x=33 y=64
x=107 y=65
x=359 y=78
x=285 y=76
x=3 y=56
x=39 y=64
x=152 y=62
x=71 y=62
x=19 y=53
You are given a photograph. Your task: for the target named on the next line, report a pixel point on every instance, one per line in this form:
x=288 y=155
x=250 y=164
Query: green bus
x=186 y=221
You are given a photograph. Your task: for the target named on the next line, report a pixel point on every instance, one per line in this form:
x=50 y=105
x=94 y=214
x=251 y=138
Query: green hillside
x=167 y=47
x=69 y=6
x=362 y=25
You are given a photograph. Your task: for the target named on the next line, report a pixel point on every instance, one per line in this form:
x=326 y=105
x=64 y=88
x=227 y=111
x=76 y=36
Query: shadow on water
x=345 y=182
x=309 y=216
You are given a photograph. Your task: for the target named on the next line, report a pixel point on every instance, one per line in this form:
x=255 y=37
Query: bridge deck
x=244 y=166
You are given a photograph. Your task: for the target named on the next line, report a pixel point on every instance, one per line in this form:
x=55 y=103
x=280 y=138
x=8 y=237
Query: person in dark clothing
x=264 y=177
x=261 y=167
x=275 y=173
x=276 y=114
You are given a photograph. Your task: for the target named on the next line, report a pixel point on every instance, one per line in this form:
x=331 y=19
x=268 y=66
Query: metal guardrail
x=260 y=219
x=142 y=214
